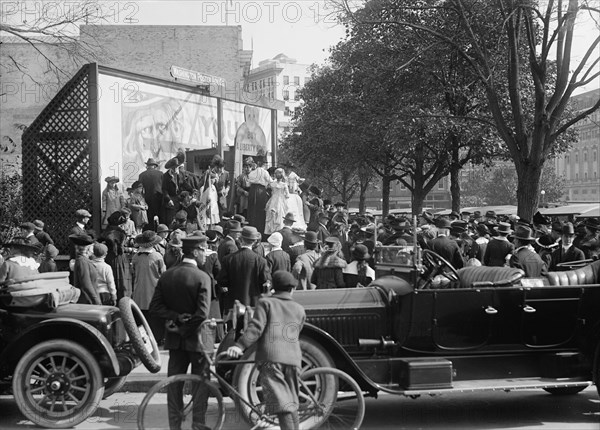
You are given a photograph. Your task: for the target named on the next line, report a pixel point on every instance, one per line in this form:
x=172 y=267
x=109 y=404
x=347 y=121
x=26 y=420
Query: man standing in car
x=182 y=296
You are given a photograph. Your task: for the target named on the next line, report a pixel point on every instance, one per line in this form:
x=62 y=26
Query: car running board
x=492 y=385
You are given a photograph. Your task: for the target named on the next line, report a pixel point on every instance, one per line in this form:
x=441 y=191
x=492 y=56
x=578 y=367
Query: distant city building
x=580 y=165
x=279 y=78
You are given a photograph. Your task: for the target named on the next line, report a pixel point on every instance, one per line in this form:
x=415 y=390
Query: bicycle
x=329 y=398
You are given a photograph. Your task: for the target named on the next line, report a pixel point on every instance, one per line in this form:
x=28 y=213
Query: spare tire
x=140 y=334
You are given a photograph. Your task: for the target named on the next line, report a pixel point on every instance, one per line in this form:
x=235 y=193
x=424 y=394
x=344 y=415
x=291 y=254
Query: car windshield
x=395 y=255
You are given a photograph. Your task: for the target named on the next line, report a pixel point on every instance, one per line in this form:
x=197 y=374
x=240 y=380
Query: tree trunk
x=362 y=197
x=385 y=195
x=528 y=188
x=418 y=197
x=455 y=187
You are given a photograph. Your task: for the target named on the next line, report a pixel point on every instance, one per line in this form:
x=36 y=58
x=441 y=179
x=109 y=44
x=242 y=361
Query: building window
x=577 y=176
x=296 y=96
x=286 y=95
x=576 y=158
x=286 y=80
x=306 y=80
x=595 y=156
x=441 y=184
x=297 y=81
x=287 y=111
x=595 y=175
x=585 y=176
x=585 y=157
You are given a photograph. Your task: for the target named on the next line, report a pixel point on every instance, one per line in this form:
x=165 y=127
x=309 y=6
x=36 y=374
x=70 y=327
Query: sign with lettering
x=193 y=76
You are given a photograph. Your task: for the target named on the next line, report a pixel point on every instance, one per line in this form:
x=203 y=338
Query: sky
x=301 y=29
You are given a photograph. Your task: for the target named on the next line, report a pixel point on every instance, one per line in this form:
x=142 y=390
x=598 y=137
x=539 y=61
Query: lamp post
x=543 y=193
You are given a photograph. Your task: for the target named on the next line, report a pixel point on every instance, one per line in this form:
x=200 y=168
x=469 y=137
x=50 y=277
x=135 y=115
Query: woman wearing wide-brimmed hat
x=85 y=276
x=358 y=273
x=115 y=239
x=20 y=262
x=112 y=198
x=146 y=266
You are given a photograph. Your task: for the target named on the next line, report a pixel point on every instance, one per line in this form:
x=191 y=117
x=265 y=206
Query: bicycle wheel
x=330 y=399
x=153 y=411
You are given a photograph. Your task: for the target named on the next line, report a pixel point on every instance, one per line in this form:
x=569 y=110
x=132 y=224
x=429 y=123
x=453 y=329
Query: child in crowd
x=277 y=258
x=107 y=288
x=276 y=328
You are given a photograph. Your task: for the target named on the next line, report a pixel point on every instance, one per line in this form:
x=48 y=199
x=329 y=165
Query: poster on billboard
x=246 y=130
x=139 y=120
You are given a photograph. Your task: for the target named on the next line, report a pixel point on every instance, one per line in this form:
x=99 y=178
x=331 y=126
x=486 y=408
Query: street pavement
x=518 y=410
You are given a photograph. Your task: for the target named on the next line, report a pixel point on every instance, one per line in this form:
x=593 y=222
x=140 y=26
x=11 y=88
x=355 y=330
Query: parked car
x=423 y=327
x=60 y=360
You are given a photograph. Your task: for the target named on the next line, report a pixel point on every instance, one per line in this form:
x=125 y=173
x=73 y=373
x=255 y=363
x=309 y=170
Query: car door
x=463 y=318
x=550 y=315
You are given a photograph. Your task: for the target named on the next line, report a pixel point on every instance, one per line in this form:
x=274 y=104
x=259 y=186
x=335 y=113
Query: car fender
x=62 y=328
x=342 y=360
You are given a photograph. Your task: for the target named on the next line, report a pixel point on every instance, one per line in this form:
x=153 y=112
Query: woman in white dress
x=208 y=211
x=295 y=204
x=277 y=205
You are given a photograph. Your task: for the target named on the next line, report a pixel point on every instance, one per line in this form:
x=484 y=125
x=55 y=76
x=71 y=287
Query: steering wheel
x=575 y=264
x=437 y=265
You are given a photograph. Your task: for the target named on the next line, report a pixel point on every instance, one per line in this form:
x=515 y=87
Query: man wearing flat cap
x=28 y=232
x=182 y=297
x=244 y=274
x=82 y=218
x=151 y=179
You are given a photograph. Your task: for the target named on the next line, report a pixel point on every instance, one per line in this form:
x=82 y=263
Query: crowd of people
x=183 y=254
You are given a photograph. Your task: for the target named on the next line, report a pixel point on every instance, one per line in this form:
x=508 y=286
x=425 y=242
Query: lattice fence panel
x=56 y=161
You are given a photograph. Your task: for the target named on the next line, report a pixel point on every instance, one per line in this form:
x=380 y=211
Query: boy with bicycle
x=275 y=328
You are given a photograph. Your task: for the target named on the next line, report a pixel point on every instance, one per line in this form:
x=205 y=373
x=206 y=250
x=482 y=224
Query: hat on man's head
x=233 y=226
x=557 y=226
x=340 y=205
x=290 y=217
x=454 y=214
x=111 y=179
x=482 y=229
x=323 y=215
x=216 y=229
x=490 y=214
x=248 y=161
x=199 y=234
x=147 y=239
x=27 y=226
x=332 y=241
x=162 y=228
x=283 y=280
x=151 y=162
x=314 y=190
x=523 y=233
x=82 y=213
x=503 y=228
x=136 y=185
x=427 y=216
x=311 y=237
x=568 y=229
x=251 y=233
x=173 y=162
x=304 y=186
x=275 y=239
x=443 y=223
x=476 y=214
x=192 y=242
x=459 y=226
x=241 y=219
x=538 y=218
x=39 y=225
x=326 y=202
x=175 y=238
x=81 y=239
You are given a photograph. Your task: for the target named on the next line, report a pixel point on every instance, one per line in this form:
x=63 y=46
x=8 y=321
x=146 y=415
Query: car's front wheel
x=58 y=384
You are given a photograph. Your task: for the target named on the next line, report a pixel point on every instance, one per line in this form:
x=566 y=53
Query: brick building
x=149 y=50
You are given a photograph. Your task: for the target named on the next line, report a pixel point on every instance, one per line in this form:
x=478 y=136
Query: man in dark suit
x=322 y=231
x=244 y=274
x=151 y=179
x=229 y=243
x=82 y=217
x=524 y=257
x=292 y=243
x=566 y=252
x=447 y=248
x=182 y=297
x=173 y=183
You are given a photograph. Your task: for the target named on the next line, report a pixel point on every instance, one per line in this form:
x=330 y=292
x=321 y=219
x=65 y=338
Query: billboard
x=139 y=120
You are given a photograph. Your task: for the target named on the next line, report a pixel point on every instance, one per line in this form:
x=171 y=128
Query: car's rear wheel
x=140 y=334
x=565 y=391
x=58 y=384
x=245 y=378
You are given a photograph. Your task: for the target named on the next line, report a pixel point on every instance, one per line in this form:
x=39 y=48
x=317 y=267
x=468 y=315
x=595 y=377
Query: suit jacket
x=322 y=233
x=85 y=278
x=560 y=256
x=75 y=230
x=528 y=261
x=447 y=249
x=183 y=289
x=244 y=274
x=151 y=179
x=226 y=247
x=279 y=260
x=496 y=252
